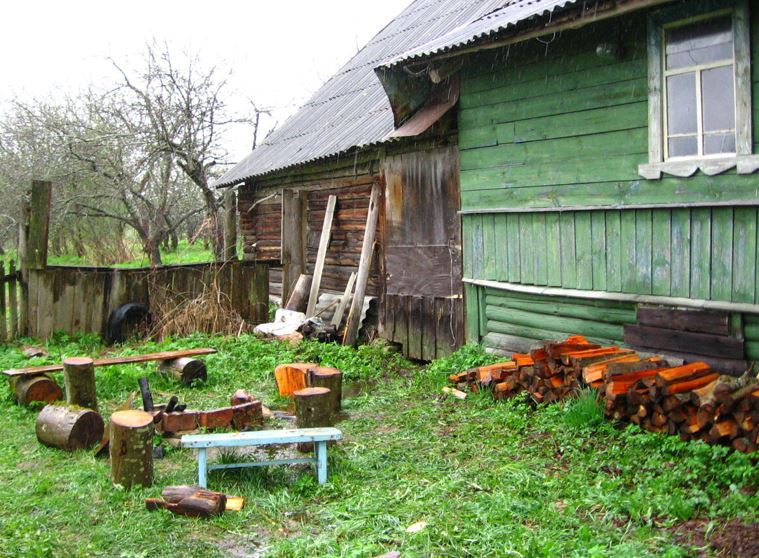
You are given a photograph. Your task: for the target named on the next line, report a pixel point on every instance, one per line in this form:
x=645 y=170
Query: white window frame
x=743 y=159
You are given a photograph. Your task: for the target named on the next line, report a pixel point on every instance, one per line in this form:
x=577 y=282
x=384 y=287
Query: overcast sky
x=280 y=51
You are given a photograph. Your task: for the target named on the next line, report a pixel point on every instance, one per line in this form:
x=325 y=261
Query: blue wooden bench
x=319 y=437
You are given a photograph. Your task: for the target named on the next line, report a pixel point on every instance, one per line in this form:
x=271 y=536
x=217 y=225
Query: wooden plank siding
x=550 y=140
x=555 y=126
x=702 y=253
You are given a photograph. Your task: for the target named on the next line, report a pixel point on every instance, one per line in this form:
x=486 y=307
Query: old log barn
x=596 y=159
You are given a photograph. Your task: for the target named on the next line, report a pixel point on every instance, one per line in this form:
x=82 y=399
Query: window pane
x=699 y=43
x=719 y=143
x=718 y=99
x=683 y=147
x=681 y=104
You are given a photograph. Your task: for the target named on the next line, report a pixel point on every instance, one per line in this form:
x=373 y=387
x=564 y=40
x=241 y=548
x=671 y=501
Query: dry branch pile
x=211 y=312
x=691 y=400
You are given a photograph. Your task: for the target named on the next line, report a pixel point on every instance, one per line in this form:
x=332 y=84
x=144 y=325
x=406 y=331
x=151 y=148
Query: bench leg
x=321 y=461
x=202 y=479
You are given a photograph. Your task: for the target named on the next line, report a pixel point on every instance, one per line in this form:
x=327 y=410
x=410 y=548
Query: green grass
x=185 y=253
x=489 y=479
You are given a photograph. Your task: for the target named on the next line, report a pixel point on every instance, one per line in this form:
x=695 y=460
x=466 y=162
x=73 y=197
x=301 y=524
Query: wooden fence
x=80 y=299
x=11 y=310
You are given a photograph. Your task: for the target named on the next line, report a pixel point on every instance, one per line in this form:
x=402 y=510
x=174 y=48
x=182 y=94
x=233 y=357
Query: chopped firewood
x=595 y=372
x=588 y=352
x=724 y=428
x=689 y=385
x=202 y=503
x=682 y=373
x=455 y=392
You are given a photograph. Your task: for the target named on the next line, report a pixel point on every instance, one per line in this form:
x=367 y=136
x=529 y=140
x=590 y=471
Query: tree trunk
x=330 y=378
x=313 y=409
x=69 y=428
x=131 y=448
x=184 y=370
x=79 y=381
x=36 y=388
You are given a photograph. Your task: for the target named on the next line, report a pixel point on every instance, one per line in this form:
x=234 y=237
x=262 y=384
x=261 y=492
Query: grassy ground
x=185 y=253
x=488 y=479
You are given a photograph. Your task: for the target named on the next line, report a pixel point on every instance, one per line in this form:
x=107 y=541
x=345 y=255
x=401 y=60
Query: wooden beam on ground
x=364 y=267
x=321 y=255
x=167 y=355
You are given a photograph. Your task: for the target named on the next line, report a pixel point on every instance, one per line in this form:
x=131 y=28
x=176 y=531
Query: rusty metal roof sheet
x=351 y=109
x=507 y=14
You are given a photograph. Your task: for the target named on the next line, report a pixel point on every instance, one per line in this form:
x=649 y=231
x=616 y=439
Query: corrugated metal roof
x=351 y=109
x=508 y=14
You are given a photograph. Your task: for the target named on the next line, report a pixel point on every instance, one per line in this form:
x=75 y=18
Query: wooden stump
x=69 y=428
x=131 y=448
x=184 y=370
x=35 y=388
x=79 y=381
x=331 y=378
x=313 y=409
x=292 y=377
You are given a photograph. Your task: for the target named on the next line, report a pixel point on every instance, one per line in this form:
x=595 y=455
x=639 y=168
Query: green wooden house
x=608 y=171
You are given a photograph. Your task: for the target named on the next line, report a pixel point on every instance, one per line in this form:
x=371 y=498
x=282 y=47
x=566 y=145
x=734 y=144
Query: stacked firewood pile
x=690 y=400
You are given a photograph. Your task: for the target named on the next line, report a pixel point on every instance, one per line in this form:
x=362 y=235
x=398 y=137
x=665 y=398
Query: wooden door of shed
x=423 y=304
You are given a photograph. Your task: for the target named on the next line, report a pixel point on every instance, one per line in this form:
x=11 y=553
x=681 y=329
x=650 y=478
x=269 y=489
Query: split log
x=131 y=448
x=69 y=428
x=330 y=378
x=184 y=370
x=313 y=409
x=595 y=372
x=35 y=388
x=201 y=503
x=292 y=377
x=79 y=381
x=298 y=301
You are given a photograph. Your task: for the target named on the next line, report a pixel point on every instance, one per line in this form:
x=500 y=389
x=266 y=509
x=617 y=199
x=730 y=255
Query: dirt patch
x=244 y=547
x=733 y=539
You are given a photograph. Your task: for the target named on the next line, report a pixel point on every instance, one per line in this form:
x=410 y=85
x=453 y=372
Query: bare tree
x=184 y=116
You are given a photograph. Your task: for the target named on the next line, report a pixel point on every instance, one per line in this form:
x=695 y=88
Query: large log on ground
x=175 y=494
x=79 y=381
x=201 y=503
x=131 y=448
x=330 y=378
x=292 y=377
x=69 y=428
x=184 y=370
x=313 y=409
x=35 y=388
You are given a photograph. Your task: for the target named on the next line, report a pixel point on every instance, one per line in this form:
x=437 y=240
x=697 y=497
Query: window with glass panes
x=699 y=83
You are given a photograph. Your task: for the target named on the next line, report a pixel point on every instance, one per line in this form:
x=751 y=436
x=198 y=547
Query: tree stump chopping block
x=79 y=381
x=313 y=409
x=292 y=377
x=184 y=370
x=330 y=378
x=131 y=448
x=35 y=388
x=69 y=428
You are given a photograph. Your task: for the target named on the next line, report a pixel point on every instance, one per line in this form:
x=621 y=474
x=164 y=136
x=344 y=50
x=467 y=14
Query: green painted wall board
x=540 y=248
x=598 y=248
x=515 y=258
x=584 y=250
x=744 y=254
x=721 y=273
x=680 y=253
x=700 y=261
x=613 y=251
x=643 y=246
x=568 y=256
x=662 y=253
x=553 y=249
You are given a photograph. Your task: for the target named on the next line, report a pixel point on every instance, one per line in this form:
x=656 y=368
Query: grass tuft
x=584 y=411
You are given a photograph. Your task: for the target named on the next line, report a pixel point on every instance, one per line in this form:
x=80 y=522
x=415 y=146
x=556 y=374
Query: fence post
x=13 y=300
x=39 y=220
x=230 y=225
